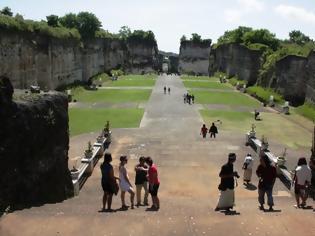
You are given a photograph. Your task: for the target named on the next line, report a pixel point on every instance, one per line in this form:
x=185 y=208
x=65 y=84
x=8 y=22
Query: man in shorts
x=154 y=184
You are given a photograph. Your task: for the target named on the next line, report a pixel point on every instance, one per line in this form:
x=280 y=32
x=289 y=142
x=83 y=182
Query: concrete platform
x=188 y=168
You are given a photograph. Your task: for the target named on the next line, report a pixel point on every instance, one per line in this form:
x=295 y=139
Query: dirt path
x=188 y=168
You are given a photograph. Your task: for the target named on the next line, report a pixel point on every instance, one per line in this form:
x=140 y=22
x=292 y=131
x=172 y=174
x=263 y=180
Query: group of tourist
x=146 y=178
x=213 y=130
x=189 y=98
x=168 y=90
x=303 y=181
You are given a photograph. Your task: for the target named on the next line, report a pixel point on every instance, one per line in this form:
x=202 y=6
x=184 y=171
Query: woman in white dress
x=125 y=185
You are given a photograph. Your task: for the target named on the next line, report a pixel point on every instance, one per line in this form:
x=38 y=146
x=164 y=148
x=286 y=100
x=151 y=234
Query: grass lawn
x=307 y=110
x=274 y=126
x=111 y=95
x=212 y=79
x=89 y=120
x=132 y=81
x=264 y=94
x=206 y=84
x=228 y=98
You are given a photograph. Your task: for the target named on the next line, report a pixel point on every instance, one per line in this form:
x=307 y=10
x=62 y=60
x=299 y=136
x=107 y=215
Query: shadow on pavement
x=250 y=187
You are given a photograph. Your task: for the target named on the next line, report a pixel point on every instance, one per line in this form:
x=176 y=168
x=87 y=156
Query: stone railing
x=87 y=164
x=279 y=162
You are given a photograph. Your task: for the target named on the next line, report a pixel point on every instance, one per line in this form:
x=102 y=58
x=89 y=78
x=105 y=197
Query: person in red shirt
x=267 y=176
x=154 y=183
x=204 y=131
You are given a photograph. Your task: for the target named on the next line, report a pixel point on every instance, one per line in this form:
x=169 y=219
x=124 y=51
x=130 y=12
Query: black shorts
x=107 y=187
x=153 y=189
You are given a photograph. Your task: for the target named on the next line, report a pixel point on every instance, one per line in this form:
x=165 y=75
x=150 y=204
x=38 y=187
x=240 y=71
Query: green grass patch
x=264 y=94
x=230 y=119
x=111 y=95
x=206 y=84
x=90 y=120
x=307 y=110
x=234 y=81
x=228 y=98
x=187 y=77
x=273 y=126
x=132 y=81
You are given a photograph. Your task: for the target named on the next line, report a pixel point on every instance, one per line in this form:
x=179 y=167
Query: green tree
x=183 y=38
x=298 y=37
x=234 y=36
x=52 y=20
x=6 y=11
x=124 y=32
x=262 y=36
x=69 y=20
x=195 y=38
x=88 y=24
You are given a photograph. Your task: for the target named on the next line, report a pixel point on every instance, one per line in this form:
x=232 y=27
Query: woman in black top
x=227 y=174
x=109 y=184
x=141 y=181
x=213 y=130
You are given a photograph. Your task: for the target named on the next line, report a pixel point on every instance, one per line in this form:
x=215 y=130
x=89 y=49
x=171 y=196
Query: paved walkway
x=188 y=167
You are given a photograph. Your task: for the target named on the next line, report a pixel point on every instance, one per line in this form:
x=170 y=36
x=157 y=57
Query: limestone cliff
x=290 y=78
x=48 y=62
x=34 y=145
x=194 y=57
x=236 y=60
x=310 y=85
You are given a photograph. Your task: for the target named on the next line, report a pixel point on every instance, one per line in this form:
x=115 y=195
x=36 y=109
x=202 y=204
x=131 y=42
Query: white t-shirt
x=249 y=161
x=303 y=174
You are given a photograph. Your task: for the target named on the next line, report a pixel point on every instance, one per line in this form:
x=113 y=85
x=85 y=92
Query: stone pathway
x=188 y=169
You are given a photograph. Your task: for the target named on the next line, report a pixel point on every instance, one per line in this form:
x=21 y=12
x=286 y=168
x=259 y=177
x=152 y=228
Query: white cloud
x=244 y=7
x=233 y=16
x=251 y=5
x=295 y=13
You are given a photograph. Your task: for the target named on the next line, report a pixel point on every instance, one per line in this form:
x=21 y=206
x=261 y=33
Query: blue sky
x=170 y=19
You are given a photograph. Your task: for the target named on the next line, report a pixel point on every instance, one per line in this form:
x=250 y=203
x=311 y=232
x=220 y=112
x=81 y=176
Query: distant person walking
x=213 y=130
x=125 y=185
x=154 y=183
x=302 y=180
x=193 y=99
x=204 y=131
x=142 y=181
x=267 y=176
x=164 y=89
x=185 y=98
x=248 y=168
x=169 y=90
x=227 y=185
x=109 y=183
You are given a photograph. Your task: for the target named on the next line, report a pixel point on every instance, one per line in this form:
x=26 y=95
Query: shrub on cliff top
x=144 y=37
x=42 y=28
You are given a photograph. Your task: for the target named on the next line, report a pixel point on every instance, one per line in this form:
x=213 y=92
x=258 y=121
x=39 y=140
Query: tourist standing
x=302 y=179
x=227 y=185
x=248 y=168
x=312 y=187
x=213 y=130
x=125 y=185
x=204 y=131
x=109 y=183
x=154 y=183
x=267 y=176
x=141 y=181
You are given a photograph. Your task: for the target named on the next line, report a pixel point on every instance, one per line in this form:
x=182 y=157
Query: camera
x=236 y=174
